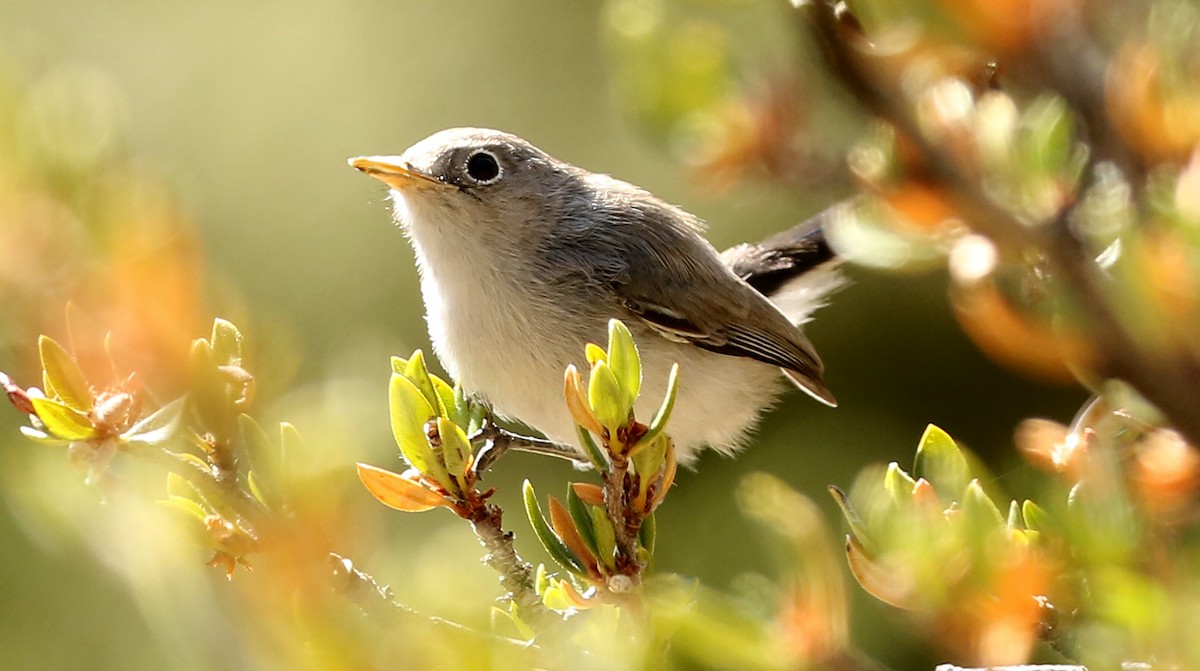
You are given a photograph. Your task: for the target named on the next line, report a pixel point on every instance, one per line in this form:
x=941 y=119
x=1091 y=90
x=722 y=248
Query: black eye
x=483 y=167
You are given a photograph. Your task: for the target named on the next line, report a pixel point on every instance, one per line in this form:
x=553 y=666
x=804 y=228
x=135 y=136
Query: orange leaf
x=590 y=494
x=399 y=491
x=564 y=526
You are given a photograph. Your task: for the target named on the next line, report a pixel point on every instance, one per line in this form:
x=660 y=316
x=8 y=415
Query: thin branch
x=377 y=601
x=498 y=441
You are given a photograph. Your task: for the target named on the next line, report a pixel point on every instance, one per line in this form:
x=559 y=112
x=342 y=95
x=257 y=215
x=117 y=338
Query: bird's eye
x=483 y=167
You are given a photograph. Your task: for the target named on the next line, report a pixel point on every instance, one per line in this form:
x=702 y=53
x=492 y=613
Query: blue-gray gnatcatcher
x=524 y=259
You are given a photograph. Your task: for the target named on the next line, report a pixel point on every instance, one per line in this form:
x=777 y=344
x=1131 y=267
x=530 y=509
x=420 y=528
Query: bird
x=523 y=259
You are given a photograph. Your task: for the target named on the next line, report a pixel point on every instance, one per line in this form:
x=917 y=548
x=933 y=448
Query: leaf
x=577 y=401
x=590 y=448
x=396 y=491
x=978 y=510
x=409 y=413
x=590 y=494
x=648 y=533
x=874 y=578
x=593 y=353
x=659 y=423
x=62 y=421
x=941 y=462
x=606 y=398
x=564 y=527
x=606 y=537
x=158 y=427
x=581 y=515
x=263 y=458
x=227 y=343
x=553 y=544
x=624 y=360
x=445 y=396
x=399 y=365
x=899 y=485
x=62 y=376
x=192 y=517
x=211 y=398
x=858 y=528
x=456 y=449
x=417 y=373
x=1035 y=517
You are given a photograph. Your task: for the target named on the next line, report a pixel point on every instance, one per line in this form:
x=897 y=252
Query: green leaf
x=858 y=528
x=61 y=420
x=648 y=533
x=178 y=486
x=899 y=484
x=158 y=427
x=979 y=511
x=409 y=412
x=553 y=544
x=941 y=462
x=211 y=398
x=606 y=536
x=593 y=353
x=192 y=517
x=263 y=458
x=659 y=423
x=418 y=374
x=1035 y=517
x=445 y=396
x=581 y=515
x=399 y=365
x=624 y=360
x=606 y=398
x=1014 y=515
x=227 y=343
x=455 y=448
x=62 y=376
x=591 y=449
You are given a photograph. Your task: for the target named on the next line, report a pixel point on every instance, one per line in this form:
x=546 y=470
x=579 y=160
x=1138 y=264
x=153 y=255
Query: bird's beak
x=402 y=177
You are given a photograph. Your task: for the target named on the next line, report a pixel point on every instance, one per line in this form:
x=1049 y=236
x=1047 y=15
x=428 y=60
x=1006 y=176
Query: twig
x=377 y=601
x=516 y=575
x=498 y=441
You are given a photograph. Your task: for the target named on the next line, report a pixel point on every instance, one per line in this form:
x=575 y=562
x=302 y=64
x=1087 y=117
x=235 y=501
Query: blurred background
x=165 y=163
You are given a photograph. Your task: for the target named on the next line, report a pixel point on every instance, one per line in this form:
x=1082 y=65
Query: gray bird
x=524 y=258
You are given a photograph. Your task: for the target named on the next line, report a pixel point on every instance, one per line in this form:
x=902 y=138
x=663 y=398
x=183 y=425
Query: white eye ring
x=482 y=160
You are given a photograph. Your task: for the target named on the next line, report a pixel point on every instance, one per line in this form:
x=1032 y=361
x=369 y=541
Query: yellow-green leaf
x=606 y=537
x=409 y=412
x=553 y=544
x=62 y=376
x=658 y=423
x=624 y=360
x=227 y=343
x=606 y=399
x=62 y=421
x=418 y=373
x=455 y=448
x=941 y=462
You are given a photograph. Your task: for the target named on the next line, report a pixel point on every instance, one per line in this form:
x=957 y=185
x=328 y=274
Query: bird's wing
x=717 y=311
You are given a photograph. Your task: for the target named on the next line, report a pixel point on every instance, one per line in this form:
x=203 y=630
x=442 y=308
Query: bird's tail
x=796 y=269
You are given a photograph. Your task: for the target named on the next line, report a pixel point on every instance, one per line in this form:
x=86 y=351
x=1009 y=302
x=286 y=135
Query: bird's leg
x=497 y=441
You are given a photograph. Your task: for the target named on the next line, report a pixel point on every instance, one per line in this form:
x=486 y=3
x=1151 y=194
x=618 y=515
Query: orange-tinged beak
x=402 y=177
